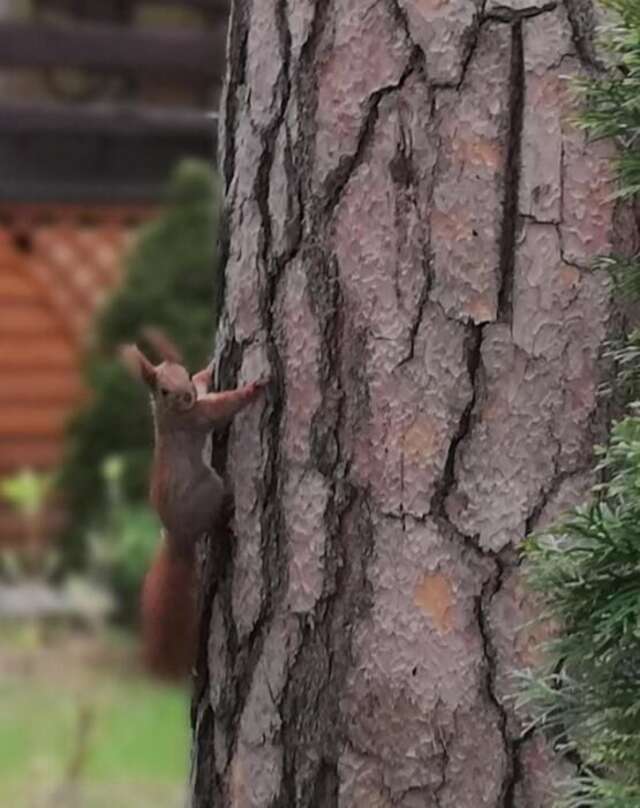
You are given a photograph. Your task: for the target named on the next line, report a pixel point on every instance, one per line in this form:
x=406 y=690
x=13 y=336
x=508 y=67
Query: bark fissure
x=309 y=674
x=444 y=765
x=421 y=306
x=204 y=777
x=406 y=175
x=312 y=745
x=309 y=775
x=583 y=25
x=447 y=483
x=470 y=44
x=511 y=177
x=310 y=760
x=294 y=227
x=490 y=589
x=213 y=557
x=339 y=178
x=400 y=15
x=273 y=551
x=307 y=102
x=549 y=492
x=237 y=61
x=513 y=15
x=245 y=655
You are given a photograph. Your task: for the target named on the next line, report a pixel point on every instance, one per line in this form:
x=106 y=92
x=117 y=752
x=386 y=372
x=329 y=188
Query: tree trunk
x=411 y=215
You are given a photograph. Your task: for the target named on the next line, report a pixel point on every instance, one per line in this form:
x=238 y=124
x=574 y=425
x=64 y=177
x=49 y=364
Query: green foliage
x=121 y=547
x=169 y=282
x=623 y=272
x=625 y=355
x=587 y=567
x=27 y=491
x=612 y=103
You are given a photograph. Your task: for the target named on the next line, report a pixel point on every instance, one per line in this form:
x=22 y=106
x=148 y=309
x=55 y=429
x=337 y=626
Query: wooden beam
x=113 y=48
x=105 y=119
x=213 y=8
x=52 y=191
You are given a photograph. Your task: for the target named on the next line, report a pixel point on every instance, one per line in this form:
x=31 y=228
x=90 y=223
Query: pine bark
x=411 y=216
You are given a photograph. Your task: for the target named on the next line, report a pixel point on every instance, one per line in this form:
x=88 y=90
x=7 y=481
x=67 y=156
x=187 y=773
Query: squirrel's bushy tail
x=169 y=615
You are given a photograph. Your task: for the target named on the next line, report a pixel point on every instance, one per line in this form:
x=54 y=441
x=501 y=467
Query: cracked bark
x=408 y=215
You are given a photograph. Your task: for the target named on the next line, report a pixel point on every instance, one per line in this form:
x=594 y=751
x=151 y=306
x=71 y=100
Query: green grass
x=136 y=747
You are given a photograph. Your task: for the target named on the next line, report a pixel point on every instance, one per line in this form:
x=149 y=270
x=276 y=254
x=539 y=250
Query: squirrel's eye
x=164 y=392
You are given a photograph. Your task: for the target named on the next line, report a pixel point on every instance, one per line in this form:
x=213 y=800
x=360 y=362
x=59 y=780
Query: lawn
x=81 y=727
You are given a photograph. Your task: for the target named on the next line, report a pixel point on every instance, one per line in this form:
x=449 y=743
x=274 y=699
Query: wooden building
x=98 y=101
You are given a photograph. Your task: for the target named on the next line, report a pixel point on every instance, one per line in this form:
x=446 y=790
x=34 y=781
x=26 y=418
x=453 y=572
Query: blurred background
x=108 y=220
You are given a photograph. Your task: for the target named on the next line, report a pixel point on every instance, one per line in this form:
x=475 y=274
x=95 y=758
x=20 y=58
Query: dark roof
x=91 y=163
x=117 y=146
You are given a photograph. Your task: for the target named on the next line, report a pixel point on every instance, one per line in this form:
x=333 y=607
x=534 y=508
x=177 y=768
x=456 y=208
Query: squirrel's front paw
x=255 y=388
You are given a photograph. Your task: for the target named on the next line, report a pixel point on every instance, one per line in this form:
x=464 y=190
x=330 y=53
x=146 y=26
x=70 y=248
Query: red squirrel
x=186 y=492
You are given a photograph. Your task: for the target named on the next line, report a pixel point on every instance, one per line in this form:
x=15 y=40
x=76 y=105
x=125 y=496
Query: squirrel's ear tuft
x=138 y=365
x=162 y=344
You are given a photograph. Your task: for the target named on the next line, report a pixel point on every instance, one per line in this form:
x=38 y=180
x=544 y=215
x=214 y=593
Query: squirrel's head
x=169 y=382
